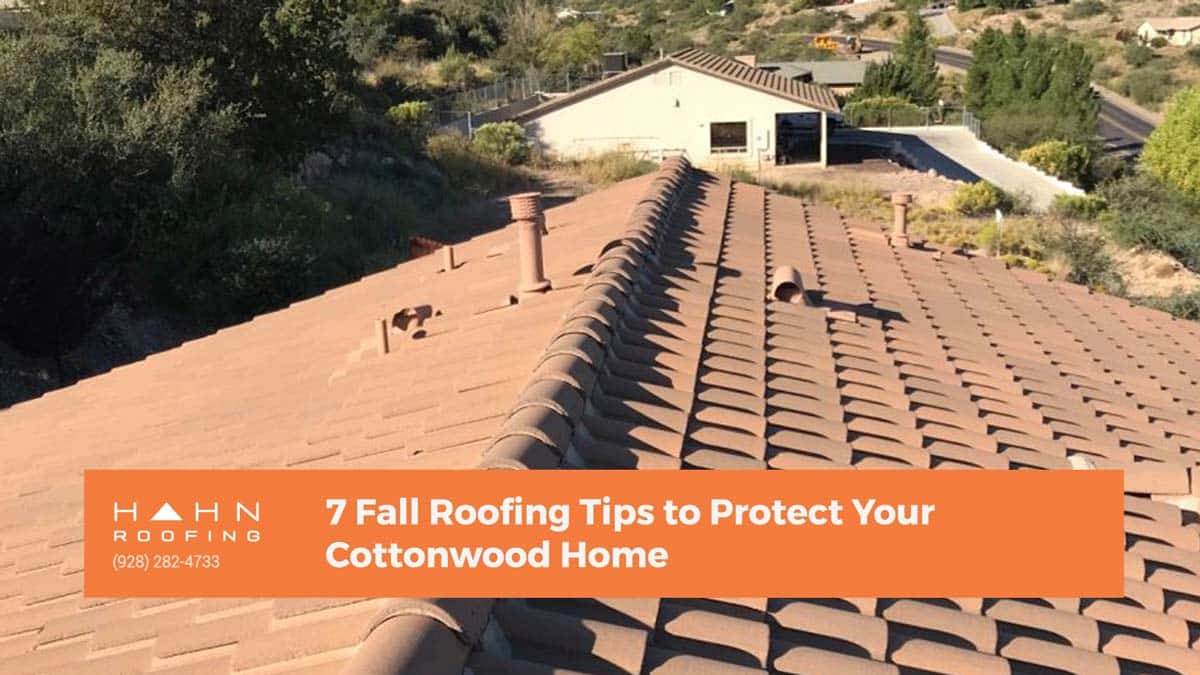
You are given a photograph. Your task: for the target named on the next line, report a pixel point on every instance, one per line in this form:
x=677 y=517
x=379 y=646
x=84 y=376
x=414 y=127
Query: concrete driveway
x=955 y=153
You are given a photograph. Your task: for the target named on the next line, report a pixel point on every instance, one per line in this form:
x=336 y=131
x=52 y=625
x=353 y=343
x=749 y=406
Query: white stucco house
x=716 y=110
x=1180 y=31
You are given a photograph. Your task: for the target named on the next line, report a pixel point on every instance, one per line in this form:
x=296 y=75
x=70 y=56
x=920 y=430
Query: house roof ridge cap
x=466 y=618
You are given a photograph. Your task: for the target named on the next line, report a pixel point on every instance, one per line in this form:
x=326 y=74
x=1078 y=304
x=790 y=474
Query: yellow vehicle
x=825 y=42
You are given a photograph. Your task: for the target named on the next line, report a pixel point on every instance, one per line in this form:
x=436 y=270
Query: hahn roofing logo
x=207 y=522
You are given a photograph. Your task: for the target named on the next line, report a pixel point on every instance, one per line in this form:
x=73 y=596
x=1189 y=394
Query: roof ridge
x=439 y=633
x=697 y=60
x=538 y=430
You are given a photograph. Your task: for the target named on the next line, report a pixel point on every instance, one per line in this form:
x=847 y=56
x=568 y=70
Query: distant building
x=717 y=111
x=568 y=13
x=841 y=76
x=1180 y=31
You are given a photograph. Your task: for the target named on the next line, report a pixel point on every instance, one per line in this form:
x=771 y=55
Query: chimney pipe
x=527 y=214
x=900 y=204
x=447 y=258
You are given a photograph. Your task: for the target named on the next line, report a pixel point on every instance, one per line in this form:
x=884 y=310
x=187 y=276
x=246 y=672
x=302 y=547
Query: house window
x=727 y=137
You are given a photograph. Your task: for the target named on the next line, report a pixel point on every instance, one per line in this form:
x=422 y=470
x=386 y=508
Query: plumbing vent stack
x=381 y=336
x=786 y=285
x=900 y=203
x=447 y=258
x=527 y=214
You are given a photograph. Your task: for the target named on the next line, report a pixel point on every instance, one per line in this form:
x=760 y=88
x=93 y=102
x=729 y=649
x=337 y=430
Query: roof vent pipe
x=447 y=258
x=786 y=285
x=381 y=336
x=900 y=204
x=527 y=214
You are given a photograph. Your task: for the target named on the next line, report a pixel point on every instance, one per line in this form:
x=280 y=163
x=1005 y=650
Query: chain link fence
x=906 y=115
x=469 y=108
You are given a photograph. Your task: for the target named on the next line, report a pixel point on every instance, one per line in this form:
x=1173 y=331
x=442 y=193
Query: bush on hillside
x=1173 y=151
x=1019 y=239
x=469 y=170
x=1083 y=9
x=414 y=119
x=1087 y=260
x=1180 y=304
x=978 y=199
x=1078 y=207
x=1068 y=161
x=1138 y=54
x=1148 y=85
x=502 y=141
x=1144 y=211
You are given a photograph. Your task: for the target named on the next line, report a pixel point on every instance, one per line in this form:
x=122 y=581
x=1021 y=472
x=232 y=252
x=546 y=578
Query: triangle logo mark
x=167 y=512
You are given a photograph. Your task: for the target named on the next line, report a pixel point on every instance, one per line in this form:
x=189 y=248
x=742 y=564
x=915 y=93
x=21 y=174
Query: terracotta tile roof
x=815 y=96
x=676 y=357
x=301 y=387
x=1174 y=23
x=664 y=352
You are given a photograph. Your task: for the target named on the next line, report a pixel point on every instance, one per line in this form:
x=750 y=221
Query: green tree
x=1031 y=88
x=917 y=51
x=910 y=74
x=1173 y=151
x=573 y=49
x=281 y=61
x=98 y=150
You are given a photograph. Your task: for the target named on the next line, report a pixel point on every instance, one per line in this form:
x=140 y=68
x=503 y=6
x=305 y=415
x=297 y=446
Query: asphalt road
x=1120 y=127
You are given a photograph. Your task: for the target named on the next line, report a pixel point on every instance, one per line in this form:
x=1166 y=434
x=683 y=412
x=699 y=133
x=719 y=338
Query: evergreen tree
x=1031 y=88
x=888 y=78
x=916 y=52
x=910 y=74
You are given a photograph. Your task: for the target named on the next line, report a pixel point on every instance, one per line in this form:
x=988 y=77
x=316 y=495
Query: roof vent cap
x=787 y=286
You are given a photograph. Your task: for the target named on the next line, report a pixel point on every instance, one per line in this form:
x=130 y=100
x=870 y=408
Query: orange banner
x=603 y=533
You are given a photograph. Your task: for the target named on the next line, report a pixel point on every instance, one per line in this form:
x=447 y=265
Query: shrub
x=1159 y=42
x=1083 y=9
x=1144 y=211
x=886 y=20
x=467 y=169
x=502 y=141
x=1087 y=260
x=977 y=199
x=1183 y=305
x=614 y=166
x=1018 y=238
x=1193 y=55
x=1138 y=54
x=1068 y=161
x=414 y=119
x=1173 y=151
x=456 y=69
x=1019 y=126
x=883 y=111
x=1190 y=9
x=1078 y=207
x=1148 y=85
x=1104 y=71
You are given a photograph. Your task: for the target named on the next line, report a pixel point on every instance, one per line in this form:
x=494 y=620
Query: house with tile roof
x=1180 y=31
x=717 y=111
x=678 y=320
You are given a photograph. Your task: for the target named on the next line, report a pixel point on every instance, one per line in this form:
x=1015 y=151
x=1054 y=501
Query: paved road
x=955 y=153
x=1121 y=127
